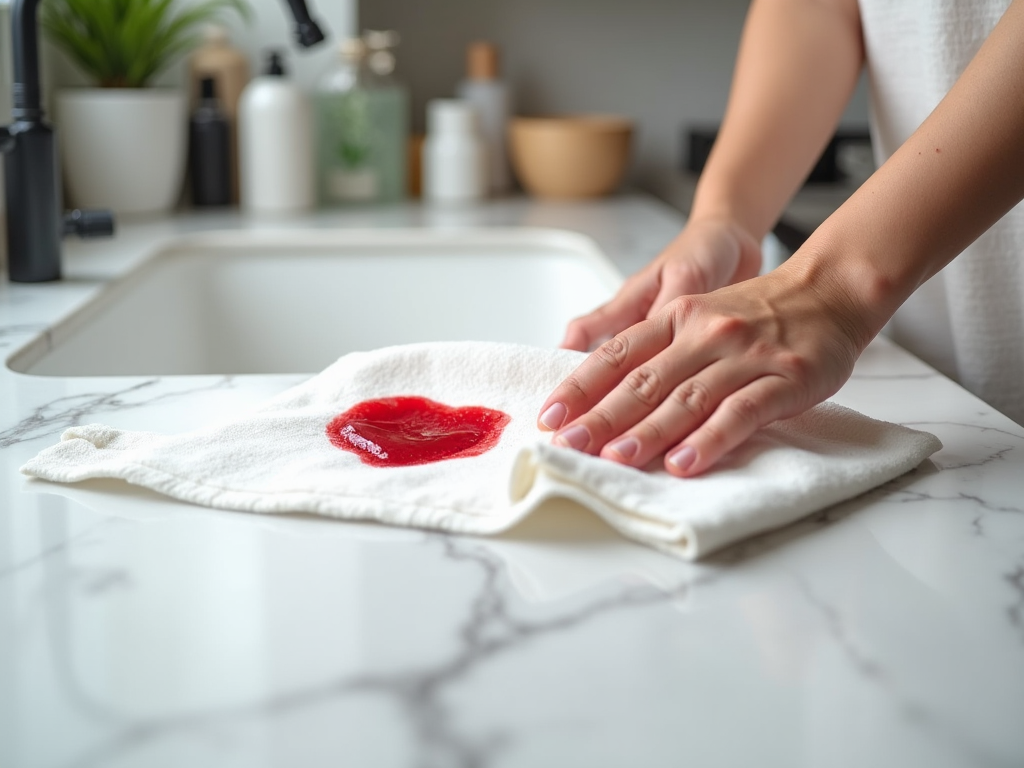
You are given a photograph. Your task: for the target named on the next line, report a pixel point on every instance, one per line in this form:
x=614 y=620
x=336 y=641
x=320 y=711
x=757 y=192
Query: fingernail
x=682 y=459
x=554 y=416
x=574 y=437
x=627 y=447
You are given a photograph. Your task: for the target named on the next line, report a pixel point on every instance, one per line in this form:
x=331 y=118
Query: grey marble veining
x=52 y=417
x=18 y=332
x=489 y=629
x=139 y=631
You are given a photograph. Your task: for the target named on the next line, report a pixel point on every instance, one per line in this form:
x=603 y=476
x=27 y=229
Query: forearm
x=696 y=379
x=953 y=178
x=798 y=63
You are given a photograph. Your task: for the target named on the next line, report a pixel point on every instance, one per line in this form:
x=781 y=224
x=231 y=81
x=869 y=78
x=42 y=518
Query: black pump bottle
x=209 y=150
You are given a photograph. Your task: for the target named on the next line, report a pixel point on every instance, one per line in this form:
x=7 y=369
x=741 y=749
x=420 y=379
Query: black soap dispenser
x=210 y=150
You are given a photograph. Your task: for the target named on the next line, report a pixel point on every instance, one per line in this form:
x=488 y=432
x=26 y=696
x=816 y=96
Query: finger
x=627 y=308
x=638 y=418
x=735 y=419
x=680 y=412
x=596 y=376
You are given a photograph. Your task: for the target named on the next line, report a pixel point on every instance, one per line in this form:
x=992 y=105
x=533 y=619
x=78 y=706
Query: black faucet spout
x=25 y=54
x=307 y=31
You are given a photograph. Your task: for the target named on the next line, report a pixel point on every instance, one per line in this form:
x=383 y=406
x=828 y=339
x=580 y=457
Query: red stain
x=406 y=431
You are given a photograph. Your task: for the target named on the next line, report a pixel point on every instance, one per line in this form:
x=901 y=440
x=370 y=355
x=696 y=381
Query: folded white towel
x=294 y=455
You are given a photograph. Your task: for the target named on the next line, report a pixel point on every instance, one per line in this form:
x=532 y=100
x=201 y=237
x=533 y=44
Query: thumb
x=716 y=258
x=628 y=308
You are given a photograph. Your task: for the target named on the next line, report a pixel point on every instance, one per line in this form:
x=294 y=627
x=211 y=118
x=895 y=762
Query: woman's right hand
x=708 y=254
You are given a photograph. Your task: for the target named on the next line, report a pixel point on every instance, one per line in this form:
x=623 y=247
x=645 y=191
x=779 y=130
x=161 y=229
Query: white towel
x=280 y=457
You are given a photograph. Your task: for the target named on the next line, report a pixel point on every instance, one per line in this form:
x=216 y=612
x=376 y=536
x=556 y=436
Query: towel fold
x=320 y=447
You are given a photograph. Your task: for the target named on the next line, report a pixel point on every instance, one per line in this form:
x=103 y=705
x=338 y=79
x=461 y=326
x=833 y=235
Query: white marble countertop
x=138 y=631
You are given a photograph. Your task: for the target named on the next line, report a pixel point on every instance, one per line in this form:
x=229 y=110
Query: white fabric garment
x=967 y=321
x=279 y=458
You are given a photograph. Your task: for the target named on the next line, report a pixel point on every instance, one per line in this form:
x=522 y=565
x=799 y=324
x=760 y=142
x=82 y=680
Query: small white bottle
x=275 y=144
x=454 y=153
x=484 y=89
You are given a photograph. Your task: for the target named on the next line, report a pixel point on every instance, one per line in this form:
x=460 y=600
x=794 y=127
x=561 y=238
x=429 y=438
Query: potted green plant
x=123 y=143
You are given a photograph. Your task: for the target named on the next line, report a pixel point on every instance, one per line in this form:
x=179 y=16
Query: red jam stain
x=406 y=431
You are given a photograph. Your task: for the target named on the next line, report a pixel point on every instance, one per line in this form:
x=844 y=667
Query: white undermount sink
x=293 y=302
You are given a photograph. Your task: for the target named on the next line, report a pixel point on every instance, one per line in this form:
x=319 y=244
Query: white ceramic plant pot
x=123 y=148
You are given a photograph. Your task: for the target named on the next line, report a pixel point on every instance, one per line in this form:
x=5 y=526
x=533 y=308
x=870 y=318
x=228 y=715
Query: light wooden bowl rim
x=587 y=122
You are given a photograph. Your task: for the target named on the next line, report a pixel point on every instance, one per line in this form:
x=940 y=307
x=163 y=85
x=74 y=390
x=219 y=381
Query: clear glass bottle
x=389 y=111
x=363 y=125
x=346 y=172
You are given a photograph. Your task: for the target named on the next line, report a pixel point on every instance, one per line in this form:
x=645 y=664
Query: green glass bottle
x=389 y=110
x=362 y=126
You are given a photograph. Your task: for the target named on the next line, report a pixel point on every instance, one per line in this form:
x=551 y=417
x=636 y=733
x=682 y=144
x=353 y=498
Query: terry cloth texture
x=279 y=457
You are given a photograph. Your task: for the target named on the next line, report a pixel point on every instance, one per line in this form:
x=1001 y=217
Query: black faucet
x=307 y=33
x=35 y=219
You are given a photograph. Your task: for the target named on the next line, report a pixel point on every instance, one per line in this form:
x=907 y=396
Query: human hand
x=706 y=255
x=700 y=376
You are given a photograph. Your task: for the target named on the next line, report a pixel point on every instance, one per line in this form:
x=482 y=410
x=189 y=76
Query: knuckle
x=602 y=421
x=652 y=433
x=725 y=328
x=645 y=385
x=762 y=349
x=745 y=410
x=713 y=437
x=682 y=310
x=693 y=397
x=793 y=366
x=575 y=386
x=613 y=352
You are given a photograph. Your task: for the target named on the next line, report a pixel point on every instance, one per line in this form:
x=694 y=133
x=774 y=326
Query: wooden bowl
x=570 y=157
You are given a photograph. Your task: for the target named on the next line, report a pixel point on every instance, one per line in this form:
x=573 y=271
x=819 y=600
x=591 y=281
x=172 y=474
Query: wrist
x=721 y=197
x=861 y=296
x=720 y=212
x=723 y=220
